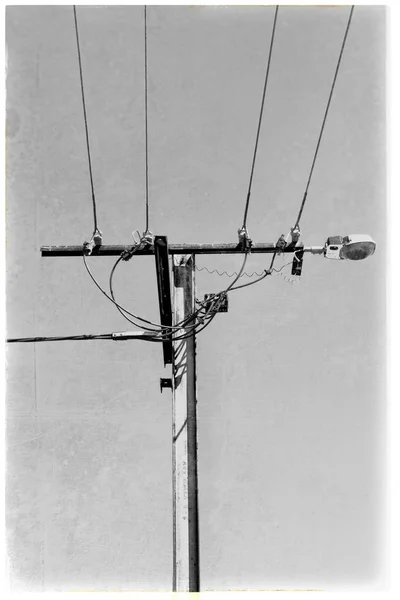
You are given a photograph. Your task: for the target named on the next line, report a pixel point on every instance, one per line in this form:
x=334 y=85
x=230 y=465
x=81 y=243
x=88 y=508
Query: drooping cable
x=173 y=332
x=110 y=298
x=213 y=302
x=325 y=116
x=96 y=229
x=122 y=310
x=238 y=287
x=159 y=327
x=260 y=119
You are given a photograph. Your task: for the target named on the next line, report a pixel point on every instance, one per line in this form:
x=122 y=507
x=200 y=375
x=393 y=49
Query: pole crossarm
x=117 y=250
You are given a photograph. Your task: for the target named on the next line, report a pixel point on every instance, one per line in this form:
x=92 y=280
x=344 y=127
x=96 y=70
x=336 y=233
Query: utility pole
x=182 y=355
x=186 y=574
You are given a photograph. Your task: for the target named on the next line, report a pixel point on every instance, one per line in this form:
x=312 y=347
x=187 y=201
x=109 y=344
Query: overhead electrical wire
x=325 y=117
x=168 y=330
x=195 y=322
x=161 y=328
x=260 y=119
x=102 y=336
x=164 y=332
x=261 y=276
x=145 y=119
x=122 y=310
x=200 y=318
x=109 y=297
x=96 y=229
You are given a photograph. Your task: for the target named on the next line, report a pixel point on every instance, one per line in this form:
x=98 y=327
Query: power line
x=161 y=328
x=211 y=305
x=324 y=119
x=238 y=287
x=264 y=275
x=86 y=123
x=166 y=332
x=145 y=119
x=104 y=336
x=260 y=118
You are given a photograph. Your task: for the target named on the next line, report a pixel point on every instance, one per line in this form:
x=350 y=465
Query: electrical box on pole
x=297 y=264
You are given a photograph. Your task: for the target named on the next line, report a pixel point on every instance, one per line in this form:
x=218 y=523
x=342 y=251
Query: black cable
x=86 y=123
x=165 y=332
x=160 y=327
x=123 y=310
x=266 y=273
x=260 y=118
x=163 y=329
x=102 y=336
x=238 y=287
x=272 y=261
x=145 y=113
x=111 y=299
x=324 y=119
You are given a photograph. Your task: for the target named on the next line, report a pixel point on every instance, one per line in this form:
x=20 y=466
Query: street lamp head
x=351 y=247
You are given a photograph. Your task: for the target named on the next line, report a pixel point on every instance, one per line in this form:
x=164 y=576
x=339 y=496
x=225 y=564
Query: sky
x=291 y=381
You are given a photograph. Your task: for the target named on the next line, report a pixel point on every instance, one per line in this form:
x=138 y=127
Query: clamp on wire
x=139 y=243
x=294 y=235
x=290 y=240
x=96 y=240
x=281 y=244
x=147 y=238
x=245 y=243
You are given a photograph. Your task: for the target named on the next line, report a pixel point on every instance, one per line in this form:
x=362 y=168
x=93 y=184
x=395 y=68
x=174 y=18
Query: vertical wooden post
x=184 y=431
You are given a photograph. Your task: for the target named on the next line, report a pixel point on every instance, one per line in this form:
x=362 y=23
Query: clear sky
x=291 y=390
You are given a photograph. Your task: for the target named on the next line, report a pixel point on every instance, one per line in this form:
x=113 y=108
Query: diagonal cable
x=260 y=119
x=86 y=122
x=325 y=116
x=145 y=119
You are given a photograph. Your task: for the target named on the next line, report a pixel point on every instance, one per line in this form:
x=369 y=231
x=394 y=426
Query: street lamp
x=356 y=246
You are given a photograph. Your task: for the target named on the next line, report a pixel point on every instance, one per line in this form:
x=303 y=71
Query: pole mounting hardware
x=96 y=240
x=165 y=382
x=281 y=244
x=146 y=242
x=245 y=243
x=294 y=235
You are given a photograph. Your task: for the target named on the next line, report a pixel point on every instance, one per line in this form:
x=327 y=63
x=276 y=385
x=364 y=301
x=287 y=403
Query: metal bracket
x=145 y=242
x=147 y=238
x=281 y=243
x=245 y=243
x=96 y=240
x=297 y=263
x=293 y=236
x=165 y=382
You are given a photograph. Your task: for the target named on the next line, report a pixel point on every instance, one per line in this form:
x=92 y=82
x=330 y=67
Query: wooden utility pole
x=182 y=354
x=186 y=575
